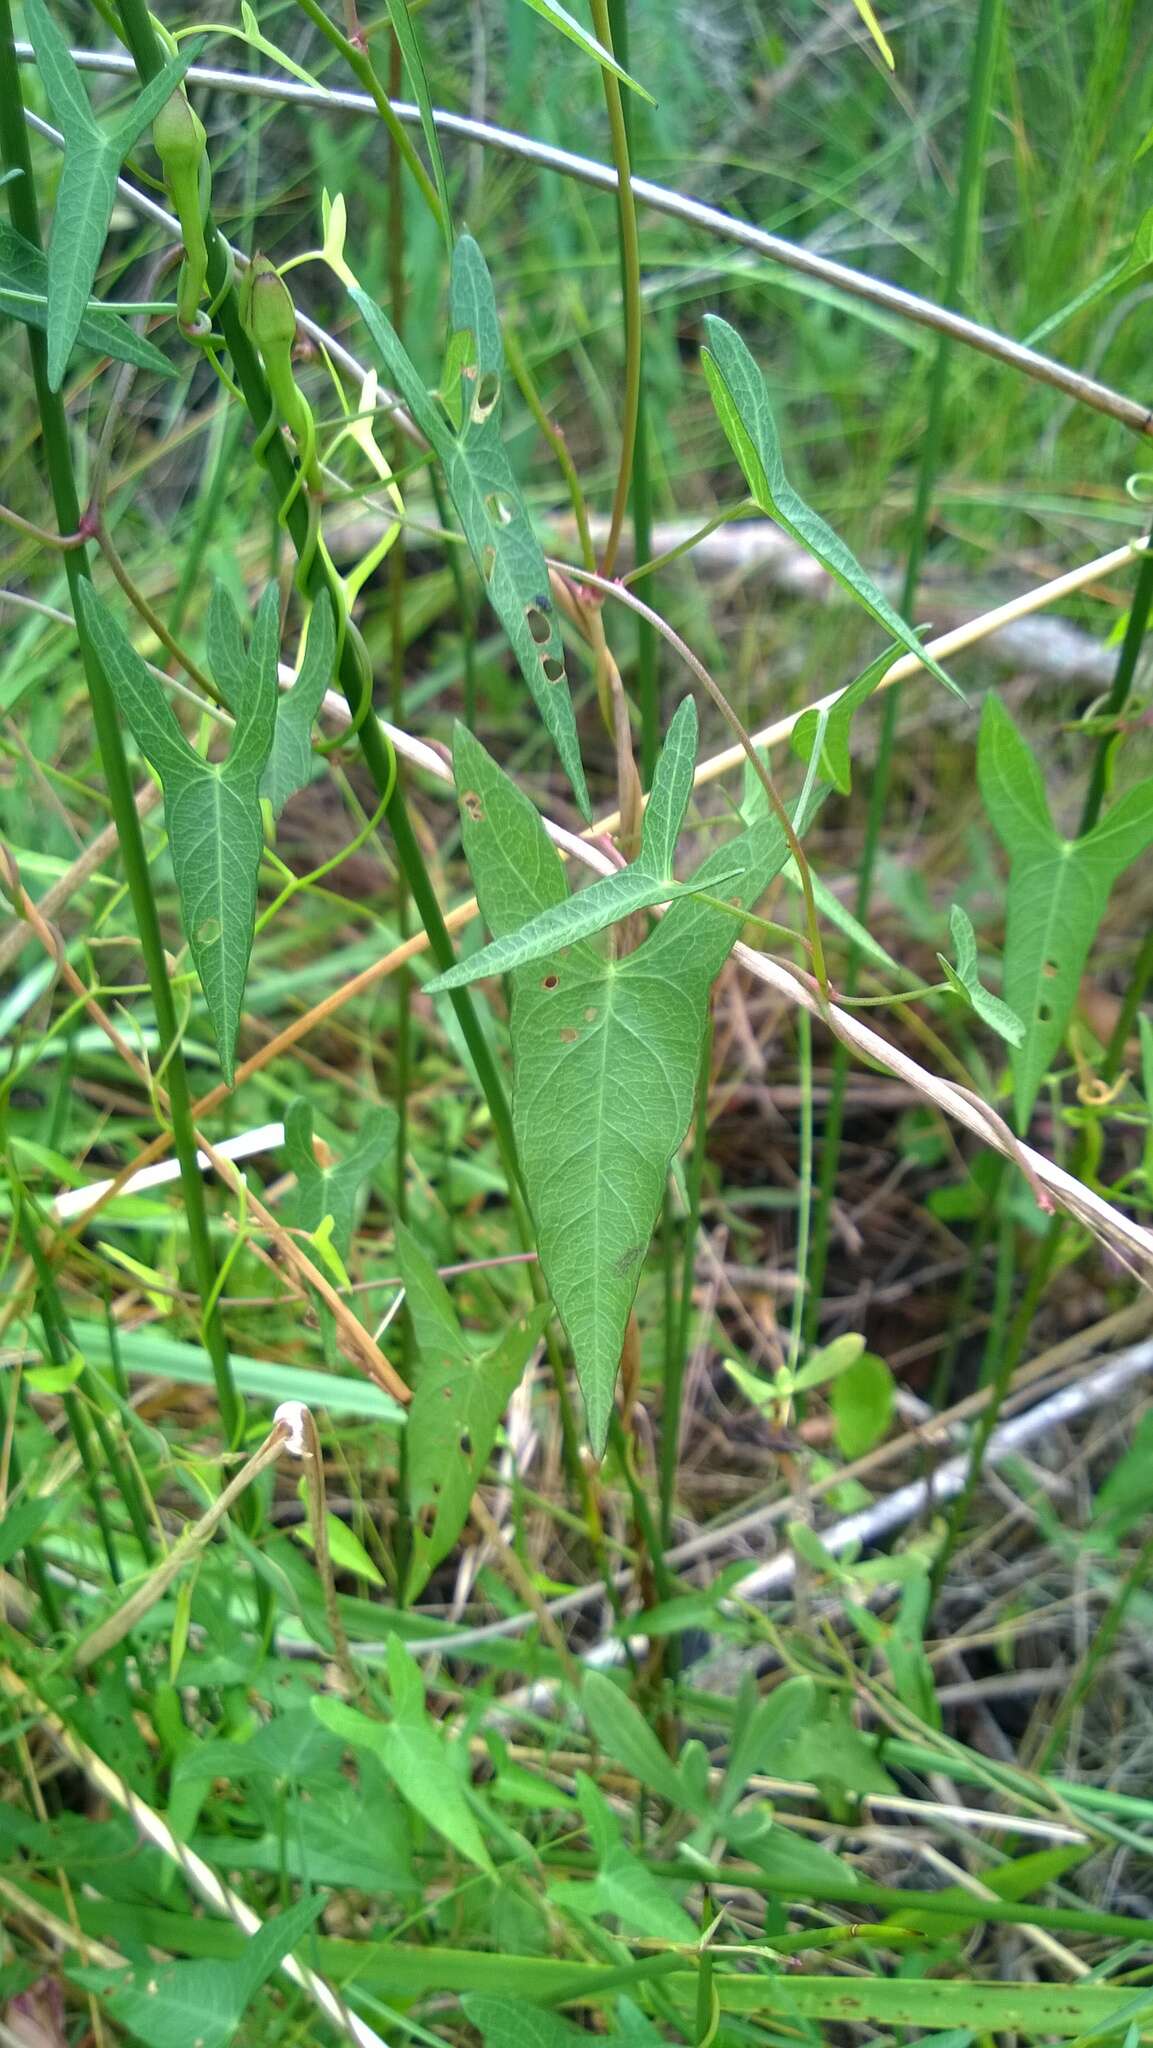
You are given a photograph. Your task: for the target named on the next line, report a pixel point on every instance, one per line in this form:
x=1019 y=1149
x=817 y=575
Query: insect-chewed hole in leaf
x=470 y=798
x=553 y=669
x=538 y=624
x=427 y=1518
x=499 y=510
x=208 y=931
x=487 y=393
x=550 y=981
x=487 y=563
x=1045 y=1008
x=466 y=1443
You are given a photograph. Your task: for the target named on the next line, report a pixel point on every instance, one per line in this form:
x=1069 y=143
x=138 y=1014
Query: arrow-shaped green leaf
x=742 y=404
x=965 y=978
x=639 y=887
x=333 y=1190
x=87 y=190
x=1058 y=891
x=605 y=1055
x=212 y=809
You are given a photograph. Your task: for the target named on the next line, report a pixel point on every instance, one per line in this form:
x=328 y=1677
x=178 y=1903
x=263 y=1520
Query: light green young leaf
x=966 y=980
x=862 y=1404
x=456 y=1409
x=290 y=762
x=742 y=404
x=1058 y=892
x=87 y=190
x=24 y=296
x=487 y=498
x=250 y=32
x=830 y=728
x=828 y=1363
x=605 y=1056
x=333 y=1190
x=345 y=1548
x=198 y=2005
x=414 y=1752
x=623 y=1734
x=408 y=43
x=560 y=18
x=212 y=810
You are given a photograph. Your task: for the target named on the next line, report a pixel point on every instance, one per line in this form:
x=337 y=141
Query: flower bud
x=178 y=137
x=268 y=311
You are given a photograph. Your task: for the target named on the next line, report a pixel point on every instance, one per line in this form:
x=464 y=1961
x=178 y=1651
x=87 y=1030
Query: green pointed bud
x=179 y=138
x=268 y=311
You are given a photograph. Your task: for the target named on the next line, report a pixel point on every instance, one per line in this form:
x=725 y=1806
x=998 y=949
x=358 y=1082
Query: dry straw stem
x=189 y=1544
x=693 y=212
x=199 y=1874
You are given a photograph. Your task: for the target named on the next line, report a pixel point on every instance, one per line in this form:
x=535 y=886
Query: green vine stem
x=25 y=219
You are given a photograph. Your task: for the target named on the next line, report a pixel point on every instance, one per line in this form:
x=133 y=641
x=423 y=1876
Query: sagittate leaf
x=87 y=190
x=966 y=980
x=24 y=296
x=198 y=2005
x=485 y=493
x=333 y=1189
x=624 y=1887
x=414 y=1751
x=742 y=404
x=605 y=1057
x=211 y=809
x=1058 y=892
x=290 y=762
x=455 y=1412
x=639 y=887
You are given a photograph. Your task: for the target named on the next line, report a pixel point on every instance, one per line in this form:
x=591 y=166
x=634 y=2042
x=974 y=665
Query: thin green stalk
x=402 y=1050
x=61 y=1351
x=1122 y=683
x=207 y=511
x=641 y=492
x=630 y=256
x=33 y=1557
x=677 y=1338
x=1103 y=1640
x=805 y=1189
x=58 y=460
x=965 y=212
x=851 y=1891
x=360 y=64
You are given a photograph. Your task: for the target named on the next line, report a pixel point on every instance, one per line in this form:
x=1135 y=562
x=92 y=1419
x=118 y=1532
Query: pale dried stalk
x=189 y=1544
x=199 y=1874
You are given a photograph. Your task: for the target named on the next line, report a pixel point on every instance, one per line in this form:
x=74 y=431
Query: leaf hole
x=473 y=806
x=466 y=1443
x=487 y=393
x=550 y=981
x=538 y=624
x=553 y=669
x=207 y=931
x=499 y=510
x=487 y=562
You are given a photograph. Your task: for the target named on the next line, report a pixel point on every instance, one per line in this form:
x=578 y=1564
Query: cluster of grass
x=577 y=1465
